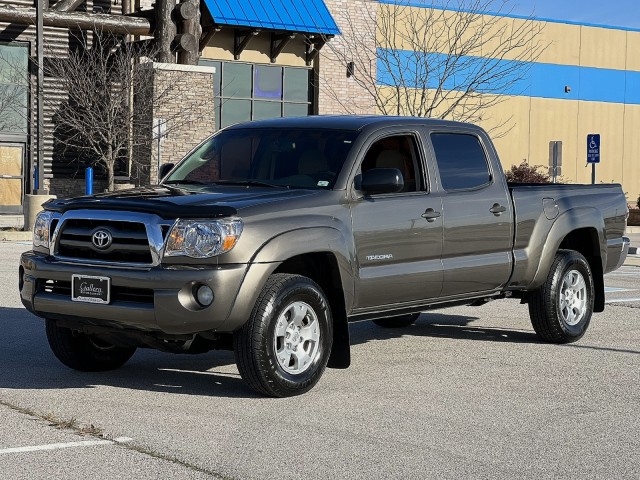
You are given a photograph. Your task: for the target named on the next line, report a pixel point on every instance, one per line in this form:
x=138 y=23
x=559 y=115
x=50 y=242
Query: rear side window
x=461 y=161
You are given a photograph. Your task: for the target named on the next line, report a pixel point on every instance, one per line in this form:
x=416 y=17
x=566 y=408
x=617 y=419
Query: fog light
x=204 y=295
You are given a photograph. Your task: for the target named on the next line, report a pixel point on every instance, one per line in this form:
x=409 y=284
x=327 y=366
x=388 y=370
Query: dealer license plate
x=86 y=288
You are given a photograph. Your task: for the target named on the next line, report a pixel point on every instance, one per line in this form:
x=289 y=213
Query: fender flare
x=567 y=222
x=284 y=246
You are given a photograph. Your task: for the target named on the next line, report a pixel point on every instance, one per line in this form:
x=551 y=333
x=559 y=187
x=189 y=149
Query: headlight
x=41 y=229
x=203 y=238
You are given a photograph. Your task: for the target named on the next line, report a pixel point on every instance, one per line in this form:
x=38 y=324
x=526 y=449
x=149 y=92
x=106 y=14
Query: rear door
x=477 y=213
x=397 y=249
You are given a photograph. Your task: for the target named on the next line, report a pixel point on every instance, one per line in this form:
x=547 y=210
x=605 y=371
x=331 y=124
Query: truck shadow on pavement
x=26 y=362
x=440 y=325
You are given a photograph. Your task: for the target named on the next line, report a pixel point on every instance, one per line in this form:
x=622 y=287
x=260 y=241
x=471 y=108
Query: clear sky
x=618 y=13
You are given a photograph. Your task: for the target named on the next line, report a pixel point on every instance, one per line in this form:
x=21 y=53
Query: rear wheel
x=397 y=322
x=284 y=347
x=83 y=352
x=561 y=309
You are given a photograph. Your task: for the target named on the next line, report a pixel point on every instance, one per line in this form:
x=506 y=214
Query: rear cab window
x=462 y=161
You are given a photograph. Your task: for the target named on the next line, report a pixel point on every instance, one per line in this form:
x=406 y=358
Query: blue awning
x=308 y=16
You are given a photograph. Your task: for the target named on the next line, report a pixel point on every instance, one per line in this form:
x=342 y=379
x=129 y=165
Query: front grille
x=129 y=241
x=118 y=294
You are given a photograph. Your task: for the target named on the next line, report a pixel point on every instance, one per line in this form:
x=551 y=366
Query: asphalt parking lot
x=466 y=392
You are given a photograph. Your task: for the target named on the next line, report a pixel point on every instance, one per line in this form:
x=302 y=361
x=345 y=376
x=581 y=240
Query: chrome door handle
x=497 y=209
x=430 y=214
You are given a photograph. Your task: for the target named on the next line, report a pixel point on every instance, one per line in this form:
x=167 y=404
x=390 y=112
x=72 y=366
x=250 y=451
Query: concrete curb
x=633 y=229
x=15 y=236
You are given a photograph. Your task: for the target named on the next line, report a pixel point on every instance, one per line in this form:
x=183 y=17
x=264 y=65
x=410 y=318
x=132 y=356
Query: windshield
x=296 y=158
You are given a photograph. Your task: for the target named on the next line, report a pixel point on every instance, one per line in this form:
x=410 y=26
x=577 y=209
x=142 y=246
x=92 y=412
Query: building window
x=246 y=92
x=14 y=90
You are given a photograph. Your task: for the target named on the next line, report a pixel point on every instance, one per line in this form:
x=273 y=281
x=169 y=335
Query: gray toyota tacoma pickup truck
x=270 y=236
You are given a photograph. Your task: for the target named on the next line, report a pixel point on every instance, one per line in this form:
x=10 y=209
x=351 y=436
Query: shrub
x=525 y=173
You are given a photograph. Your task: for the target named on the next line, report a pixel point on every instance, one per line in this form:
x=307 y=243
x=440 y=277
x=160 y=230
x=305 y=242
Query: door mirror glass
x=381 y=180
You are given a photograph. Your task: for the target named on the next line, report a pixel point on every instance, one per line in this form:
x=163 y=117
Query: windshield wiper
x=253 y=183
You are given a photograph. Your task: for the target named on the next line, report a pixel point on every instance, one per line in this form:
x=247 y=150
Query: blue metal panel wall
x=542 y=80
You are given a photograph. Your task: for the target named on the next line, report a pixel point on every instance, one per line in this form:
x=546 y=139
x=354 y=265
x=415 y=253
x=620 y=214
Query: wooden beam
x=81 y=20
x=190 y=25
x=67 y=5
x=204 y=40
x=241 y=39
x=314 y=45
x=166 y=31
x=185 y=43
x=278 y=42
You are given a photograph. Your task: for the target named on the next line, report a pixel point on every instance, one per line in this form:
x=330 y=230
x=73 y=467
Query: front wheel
x=284 y=347
x=561 y=309
x=83 y=352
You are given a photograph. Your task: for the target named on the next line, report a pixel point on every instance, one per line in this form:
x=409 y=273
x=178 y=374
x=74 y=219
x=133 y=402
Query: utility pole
x=39 y=188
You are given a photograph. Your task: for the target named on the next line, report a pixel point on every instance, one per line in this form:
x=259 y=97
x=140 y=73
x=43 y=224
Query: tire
x=82 y=352
x=272 y=355
x=397 y=322
x=561 y=309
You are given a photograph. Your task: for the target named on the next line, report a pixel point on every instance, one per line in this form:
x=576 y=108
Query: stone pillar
x=33 y=206
x=173 y=111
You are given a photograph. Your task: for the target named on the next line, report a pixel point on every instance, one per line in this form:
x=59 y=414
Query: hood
x=173 y=202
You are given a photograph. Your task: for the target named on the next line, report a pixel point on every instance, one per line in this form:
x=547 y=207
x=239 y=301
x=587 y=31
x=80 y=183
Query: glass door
x=11 y=178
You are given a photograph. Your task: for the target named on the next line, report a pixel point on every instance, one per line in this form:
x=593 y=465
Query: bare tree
x=452 y=61
x=102 y=83
x=109 y=100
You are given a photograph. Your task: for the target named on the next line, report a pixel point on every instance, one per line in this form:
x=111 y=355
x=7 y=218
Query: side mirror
x=165 y=168
x=381 y=180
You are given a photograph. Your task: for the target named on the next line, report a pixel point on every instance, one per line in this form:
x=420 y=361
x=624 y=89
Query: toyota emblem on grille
x=101 y=239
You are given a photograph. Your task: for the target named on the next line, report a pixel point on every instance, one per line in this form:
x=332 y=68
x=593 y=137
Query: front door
x=397 y=247
x=11 y=178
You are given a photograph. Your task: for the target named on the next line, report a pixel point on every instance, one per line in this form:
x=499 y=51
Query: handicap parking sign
x=593 y=148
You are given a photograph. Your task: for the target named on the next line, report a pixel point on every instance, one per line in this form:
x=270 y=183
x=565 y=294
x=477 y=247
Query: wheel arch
x=322 y=268
x=585 y=241
x=321 y=254
x=581 y=230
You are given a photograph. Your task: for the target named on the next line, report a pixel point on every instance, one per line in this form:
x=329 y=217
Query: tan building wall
x=521 y=126
x=220 y=47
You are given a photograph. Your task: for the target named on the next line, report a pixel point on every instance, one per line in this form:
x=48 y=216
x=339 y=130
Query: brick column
x=338 y=94
x=181 y=96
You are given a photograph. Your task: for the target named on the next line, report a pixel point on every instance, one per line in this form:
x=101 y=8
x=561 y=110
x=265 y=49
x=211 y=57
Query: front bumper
x=152 y=299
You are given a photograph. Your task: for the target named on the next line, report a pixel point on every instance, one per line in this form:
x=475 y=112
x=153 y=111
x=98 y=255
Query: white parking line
x=612 y=289
x=58 y=446
x=623 y=300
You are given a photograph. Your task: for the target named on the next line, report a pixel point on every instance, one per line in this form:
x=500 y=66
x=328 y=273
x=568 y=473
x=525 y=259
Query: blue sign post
x=593 y=153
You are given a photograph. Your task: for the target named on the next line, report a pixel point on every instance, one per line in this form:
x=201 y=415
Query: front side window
x=461 y=161
x=292 y=158
x=396 y=151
